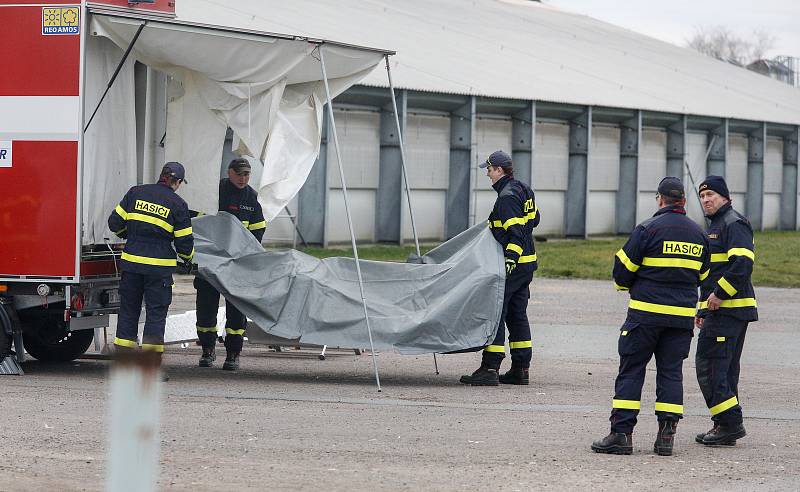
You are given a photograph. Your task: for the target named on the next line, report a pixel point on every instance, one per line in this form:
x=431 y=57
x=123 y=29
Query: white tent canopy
x=267 y=88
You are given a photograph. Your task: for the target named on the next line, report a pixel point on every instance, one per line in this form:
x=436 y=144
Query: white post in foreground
x=133 y=425
x=347 y=210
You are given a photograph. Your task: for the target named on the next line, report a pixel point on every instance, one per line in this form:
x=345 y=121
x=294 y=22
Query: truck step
x=10 y=367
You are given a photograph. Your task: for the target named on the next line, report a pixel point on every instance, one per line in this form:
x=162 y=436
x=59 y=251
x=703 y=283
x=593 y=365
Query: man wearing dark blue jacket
x=151 y=217
x=661 y=265
x=728 y=304
x=511 y=221
x=237 y=198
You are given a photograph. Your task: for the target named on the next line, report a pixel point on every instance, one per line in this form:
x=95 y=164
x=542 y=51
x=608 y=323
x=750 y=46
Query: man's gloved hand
x=510 y=266
x=184 y=267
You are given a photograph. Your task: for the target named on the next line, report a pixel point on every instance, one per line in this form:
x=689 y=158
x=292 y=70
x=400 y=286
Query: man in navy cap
x=661 y=265
x=512 y=220
x=152 y=218
x=728 y=305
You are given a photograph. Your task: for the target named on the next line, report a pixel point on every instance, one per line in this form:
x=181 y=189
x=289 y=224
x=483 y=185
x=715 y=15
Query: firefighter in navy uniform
x=238 y=198
x=728 y=304
x=512 y=220
x=151 y=217
x=661 y=265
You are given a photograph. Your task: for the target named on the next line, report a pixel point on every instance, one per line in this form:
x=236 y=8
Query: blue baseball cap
x=498 y=158
x=174 y=169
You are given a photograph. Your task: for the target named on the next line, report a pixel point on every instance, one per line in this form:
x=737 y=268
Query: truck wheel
x=47 y=338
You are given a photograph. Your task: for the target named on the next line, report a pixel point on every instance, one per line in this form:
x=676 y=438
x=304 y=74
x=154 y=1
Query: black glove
x=510 y=266
x=184 y=267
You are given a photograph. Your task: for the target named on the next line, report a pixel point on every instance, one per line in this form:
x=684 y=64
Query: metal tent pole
x=347 y=210
x=405 y=173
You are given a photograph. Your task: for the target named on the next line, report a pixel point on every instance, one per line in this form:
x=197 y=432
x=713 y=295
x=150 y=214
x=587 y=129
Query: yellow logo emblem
x=679 y=248
x=152 y=208
x=60 y=20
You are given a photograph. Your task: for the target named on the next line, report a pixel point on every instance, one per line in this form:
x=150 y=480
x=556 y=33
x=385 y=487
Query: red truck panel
x=40 y=53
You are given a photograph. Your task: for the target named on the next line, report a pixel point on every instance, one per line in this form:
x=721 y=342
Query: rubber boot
x=666 y=437
x=483 y=376
x=231 y=361
x=724 y=435
x=614 y=443
x=515 y=375
x=208 y=357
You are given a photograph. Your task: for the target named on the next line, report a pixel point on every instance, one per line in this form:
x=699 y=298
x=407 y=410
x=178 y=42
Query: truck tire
x=47 y=338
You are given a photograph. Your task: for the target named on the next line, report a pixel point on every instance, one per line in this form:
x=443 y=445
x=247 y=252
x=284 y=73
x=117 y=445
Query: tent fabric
x=268 y=90
x=451 y=301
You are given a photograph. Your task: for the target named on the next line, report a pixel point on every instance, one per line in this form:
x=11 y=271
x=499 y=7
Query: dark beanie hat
x=715 y=183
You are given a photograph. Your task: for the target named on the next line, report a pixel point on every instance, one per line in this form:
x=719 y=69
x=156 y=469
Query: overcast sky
x=674 y=20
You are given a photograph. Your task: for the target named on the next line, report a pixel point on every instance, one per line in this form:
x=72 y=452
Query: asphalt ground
x=288 y=421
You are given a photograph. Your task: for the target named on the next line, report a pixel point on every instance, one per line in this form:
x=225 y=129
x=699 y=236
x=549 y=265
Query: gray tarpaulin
x=450 y=302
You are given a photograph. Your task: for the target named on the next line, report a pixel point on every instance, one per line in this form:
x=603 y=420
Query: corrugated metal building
x=593 y=114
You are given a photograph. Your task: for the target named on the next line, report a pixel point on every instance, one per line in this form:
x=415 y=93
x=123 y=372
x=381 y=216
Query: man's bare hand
x=698 y=322
x=713 y=302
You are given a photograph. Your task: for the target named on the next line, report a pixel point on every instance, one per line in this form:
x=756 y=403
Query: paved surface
x=290 y=421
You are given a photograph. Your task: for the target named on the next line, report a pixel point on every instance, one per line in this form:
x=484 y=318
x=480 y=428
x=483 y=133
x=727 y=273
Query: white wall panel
x=736 y=164
x=359 y=138
x=551 y=206
x=492 y=134
x=772 y=210
x=737 y=199
x=604 y=159
x=281 y=229
x=427 y=145
x=484 y=201
x=551 y=157
x=696 y=146
x=773 y=166
x=428 y=215
x=362 y=206
x=652 y=169
x=602 y=212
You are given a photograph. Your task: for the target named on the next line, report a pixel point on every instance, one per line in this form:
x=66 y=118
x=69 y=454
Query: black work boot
x=515 y=375
x=614 y=443
x=208 y=357
x=231 y=361
x=724 y=435
x=666 y=437
x=483 y=376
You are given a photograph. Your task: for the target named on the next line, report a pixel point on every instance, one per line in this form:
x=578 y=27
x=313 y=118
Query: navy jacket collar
x=502 y=182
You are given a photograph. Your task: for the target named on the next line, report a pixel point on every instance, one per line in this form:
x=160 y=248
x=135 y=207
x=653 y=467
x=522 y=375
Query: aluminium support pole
x=347 y=210
x=405 y=176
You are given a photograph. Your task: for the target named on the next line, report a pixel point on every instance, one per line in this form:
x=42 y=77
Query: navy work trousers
x=515 y=317
x=207 y=307
x=637 y=345
x=156 y=290
x=719 y=350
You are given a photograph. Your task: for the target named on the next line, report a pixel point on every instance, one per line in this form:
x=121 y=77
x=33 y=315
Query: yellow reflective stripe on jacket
x=725 y=405
x=661 y=308
x=741 y=252
x=631 y=266
x=527 y=259
x=720 y=339
x=495 y=223
x=231 y=331
x=626 y=404
x=124 y=343
x=520 y=345
x=669 y=407
x=120 y=231
x=513 y=247
x=731 y=303
x=495 y=348
x=704 y=275
x=183 y=232
x=619 y=287
x=151 y=220
x=146 y=260
x=672 y=263
x=206 y=329
x=153 y=347
x=727 y=287
x=257 y=225
x=187 y=257
x=514 y=220
x=121 y=212
x=719 y=257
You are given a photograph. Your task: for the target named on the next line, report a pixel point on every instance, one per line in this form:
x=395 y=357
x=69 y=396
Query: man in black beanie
x=727 y=305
